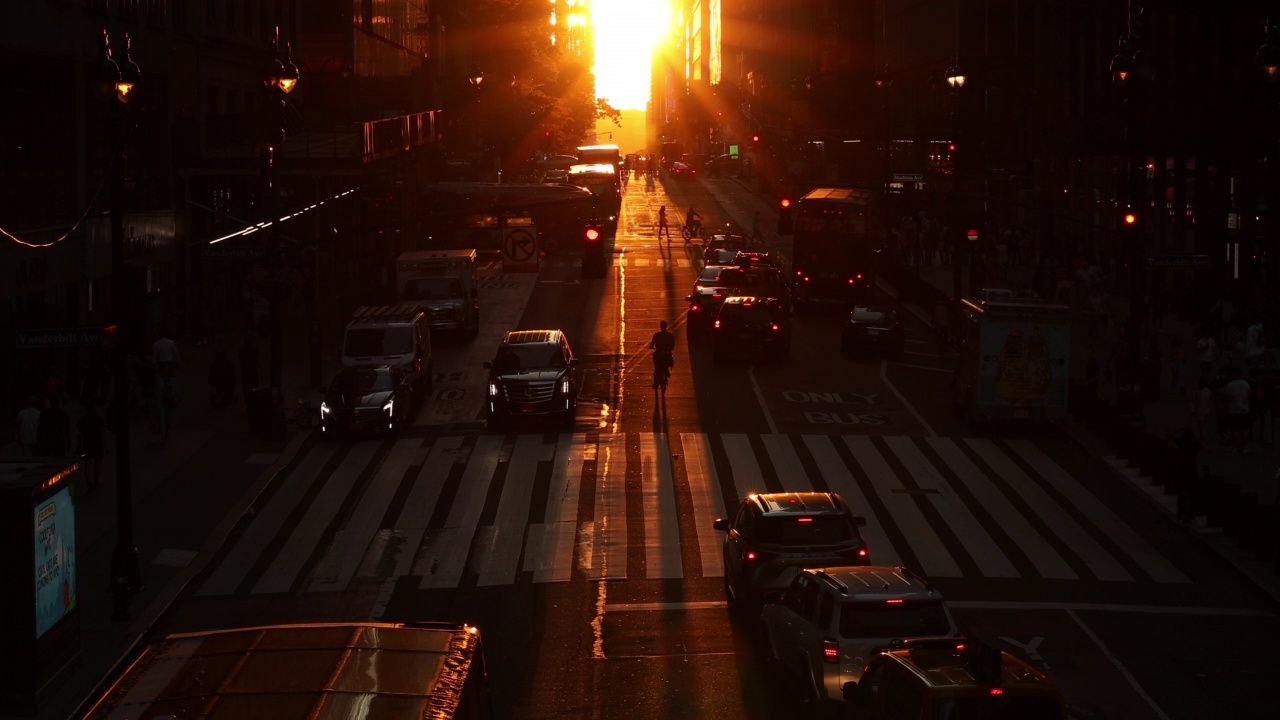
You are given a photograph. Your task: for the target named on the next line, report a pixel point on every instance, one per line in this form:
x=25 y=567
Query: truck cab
x=442 y=284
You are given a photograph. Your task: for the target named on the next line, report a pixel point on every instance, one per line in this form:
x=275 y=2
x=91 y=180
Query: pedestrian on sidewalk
x=28 y=425
x=1237 y=393
x=1221 y=313
x=941 y=326
x=164 y=352
x=167 y=397
x=1254 y=350
x=1206 y=352
x=53 y=433
x=249 y=376
x=91 y=443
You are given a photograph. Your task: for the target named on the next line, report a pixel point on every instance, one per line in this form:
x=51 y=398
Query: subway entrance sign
x=1193 y=262
x=32 y=338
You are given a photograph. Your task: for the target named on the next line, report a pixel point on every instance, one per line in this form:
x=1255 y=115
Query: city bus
x=834 y=248
x=600 y=155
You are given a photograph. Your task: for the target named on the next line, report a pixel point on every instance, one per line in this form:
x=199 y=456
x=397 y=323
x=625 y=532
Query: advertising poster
x=1023 y=363
x=55 y=556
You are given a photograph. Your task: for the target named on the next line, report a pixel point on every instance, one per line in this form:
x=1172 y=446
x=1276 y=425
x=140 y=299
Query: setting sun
x=625 y=34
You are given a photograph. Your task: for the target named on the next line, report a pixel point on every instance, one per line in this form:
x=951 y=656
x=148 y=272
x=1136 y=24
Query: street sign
x=34 y=338
x=1178 y=261
x=233 y=252
x=520 y=249
x=972 y=235
x=908 y=177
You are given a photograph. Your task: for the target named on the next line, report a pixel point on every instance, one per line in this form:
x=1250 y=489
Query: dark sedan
x=367 y=399
x=873 y=327
x=682 y=171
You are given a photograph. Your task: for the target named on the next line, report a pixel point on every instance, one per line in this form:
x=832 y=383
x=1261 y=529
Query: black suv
x=775 y=535
x=753 y=281
x=533 y=374
x=749 y=328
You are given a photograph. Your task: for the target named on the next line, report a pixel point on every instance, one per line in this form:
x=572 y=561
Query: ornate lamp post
x=114 y=84
x=281 y=78
x=956 y=78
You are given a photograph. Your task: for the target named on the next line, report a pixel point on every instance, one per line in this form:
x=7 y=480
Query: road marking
x=768 y=416
x=840 y=480
x=658 y=500
x=1123 y=670
x=707 y=500
x=1108 y=607
x=884 y=376
x=664 y=606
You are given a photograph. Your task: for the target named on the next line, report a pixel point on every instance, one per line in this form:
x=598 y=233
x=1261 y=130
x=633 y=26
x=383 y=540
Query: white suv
x=829 y=623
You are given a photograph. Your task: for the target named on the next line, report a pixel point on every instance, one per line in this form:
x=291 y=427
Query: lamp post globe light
x=114 y=85
x=281 y=78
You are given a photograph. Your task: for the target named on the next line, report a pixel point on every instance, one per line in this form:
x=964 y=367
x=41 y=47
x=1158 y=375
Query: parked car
x=751 y=329
x=724 y=165
x=772 y=536
x=873 y=327
x=555 y=176
x=367 y=399
x=830 y=623
x=533 y=375
x=682 y=171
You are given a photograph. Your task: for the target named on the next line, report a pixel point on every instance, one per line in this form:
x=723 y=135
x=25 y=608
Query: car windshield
x=429 y=288
x=806 y=530
x=880 y=620
x=378 y=342
x=529 y=356
x=710 y=274
x=998 y=707
x=361 y=381
x=870 y=315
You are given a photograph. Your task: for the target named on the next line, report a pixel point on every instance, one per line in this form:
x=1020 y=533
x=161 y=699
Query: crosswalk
x=489 y=510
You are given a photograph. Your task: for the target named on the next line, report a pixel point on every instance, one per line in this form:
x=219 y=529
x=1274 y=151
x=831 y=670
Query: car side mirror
x=853 y=693
x=488 y=365
x=721 y=524
x=859 y=521
x=573 y=362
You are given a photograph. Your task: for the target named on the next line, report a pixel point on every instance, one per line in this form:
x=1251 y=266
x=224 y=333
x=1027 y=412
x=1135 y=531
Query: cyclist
x=693 y=223
x=663 y=345
x=663 y=227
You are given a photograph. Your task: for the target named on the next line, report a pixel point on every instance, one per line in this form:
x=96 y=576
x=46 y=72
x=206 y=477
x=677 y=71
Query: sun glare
x=625 y=34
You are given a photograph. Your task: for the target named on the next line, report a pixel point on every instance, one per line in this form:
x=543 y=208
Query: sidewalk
x=1248 y=479
x=205 y=444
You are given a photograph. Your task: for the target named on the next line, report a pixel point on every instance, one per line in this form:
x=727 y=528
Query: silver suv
x=774 y=535
x=534 y=375
x=830 y=623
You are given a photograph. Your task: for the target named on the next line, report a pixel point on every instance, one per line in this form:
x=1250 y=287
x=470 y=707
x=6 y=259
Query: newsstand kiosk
x=39 y=608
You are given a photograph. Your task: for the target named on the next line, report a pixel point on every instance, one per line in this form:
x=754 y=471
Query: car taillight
x=716 y=324
x=997 y=691
x=775 y=327
x=757 y=556
x=694 y=307
x=857 y=557
x=830 y=651
x=893 y=601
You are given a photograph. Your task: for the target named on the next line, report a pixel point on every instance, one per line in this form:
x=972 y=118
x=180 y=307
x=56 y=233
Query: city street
x=588 y=557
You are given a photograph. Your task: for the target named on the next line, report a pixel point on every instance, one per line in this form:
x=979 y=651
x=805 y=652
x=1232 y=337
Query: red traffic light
x=592 y=234
x=1130 y=218
x=951 y=147
x=546 y=133
x=755 y=138
x=785 y=202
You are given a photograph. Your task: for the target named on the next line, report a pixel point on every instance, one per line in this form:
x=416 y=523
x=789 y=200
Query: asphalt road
x=588 y=560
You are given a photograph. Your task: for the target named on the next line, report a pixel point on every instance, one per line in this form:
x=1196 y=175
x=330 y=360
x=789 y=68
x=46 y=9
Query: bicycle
x=697 y=230
x=304 y=415
x=662 y=362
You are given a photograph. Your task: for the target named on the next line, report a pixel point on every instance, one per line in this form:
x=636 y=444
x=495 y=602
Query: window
x=807 y=530
x=824 y=611
x=880 y=620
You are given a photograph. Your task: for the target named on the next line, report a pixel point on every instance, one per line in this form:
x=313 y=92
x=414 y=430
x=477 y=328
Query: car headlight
x=325 y=409
x=389 y=407
x=493 y=389
x=564 y=386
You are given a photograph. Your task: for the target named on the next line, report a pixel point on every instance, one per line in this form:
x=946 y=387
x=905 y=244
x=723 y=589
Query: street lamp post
x=282 y=77
x=955 y=81
x=1131 y=66
x=114 y=84
x=883 y=81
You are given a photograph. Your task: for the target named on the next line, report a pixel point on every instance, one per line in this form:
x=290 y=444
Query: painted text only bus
x=833 y=255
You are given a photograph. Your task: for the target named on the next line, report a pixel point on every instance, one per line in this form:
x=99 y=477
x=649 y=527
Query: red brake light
x=785 y=202
x=862 y=552
x=997 y=691
x=803 y=519
x=717 y=325
x=830 y=651
x=894 y=601
x=775 y=329
x=694 y=308
x=751 y=555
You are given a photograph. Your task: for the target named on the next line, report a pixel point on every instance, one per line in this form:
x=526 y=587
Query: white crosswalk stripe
x=976 y=508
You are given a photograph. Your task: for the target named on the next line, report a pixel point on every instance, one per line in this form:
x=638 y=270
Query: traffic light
x=755 y=139
x=786 y=222
x=593 y=257
x=591 y=234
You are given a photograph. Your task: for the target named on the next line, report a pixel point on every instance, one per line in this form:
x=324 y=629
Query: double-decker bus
x=833 y=251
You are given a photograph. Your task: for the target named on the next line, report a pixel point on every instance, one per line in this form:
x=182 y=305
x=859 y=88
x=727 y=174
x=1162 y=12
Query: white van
x=395 y=335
